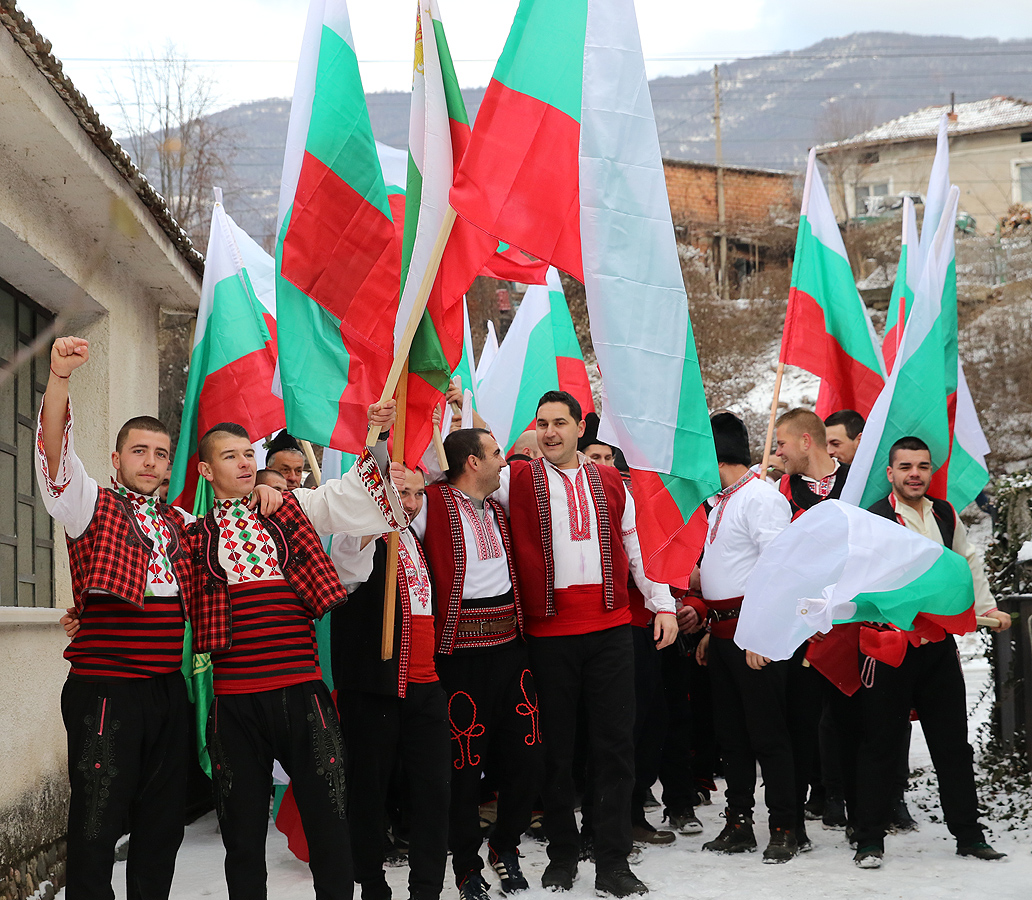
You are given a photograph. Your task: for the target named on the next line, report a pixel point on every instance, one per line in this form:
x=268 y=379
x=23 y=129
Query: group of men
x=526 y=639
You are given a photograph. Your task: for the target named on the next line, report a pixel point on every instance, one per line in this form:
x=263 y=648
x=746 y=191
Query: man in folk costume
x=574 y=542
x=124 y=704
x=919 y=669
x=394 y=712
x=257 y=584
x=286 y=457
x=482 y=660
x=750 y=693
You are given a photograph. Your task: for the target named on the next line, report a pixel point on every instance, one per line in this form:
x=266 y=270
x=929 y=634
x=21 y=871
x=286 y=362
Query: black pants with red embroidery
x=297 y=725
x=127 y=759
x=929 y=680
x=381 y=731
x=594 y=671
x=492 y=712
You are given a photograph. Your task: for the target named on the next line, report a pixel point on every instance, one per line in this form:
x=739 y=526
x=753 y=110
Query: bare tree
x=166 y=115
x=839 y=121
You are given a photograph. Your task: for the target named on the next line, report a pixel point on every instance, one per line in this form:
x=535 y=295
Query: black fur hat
x=731 y=439
x=282 y=441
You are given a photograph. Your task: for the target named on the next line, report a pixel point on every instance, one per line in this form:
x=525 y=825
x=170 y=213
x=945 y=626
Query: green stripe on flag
x=413 y=195
x=556 y=32
x=452 y=92
x=967 y=476
x=340 y=120
x=564 y=335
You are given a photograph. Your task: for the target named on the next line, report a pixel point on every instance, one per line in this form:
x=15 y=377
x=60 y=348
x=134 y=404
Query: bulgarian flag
x=337 y=257
x=540 y=353
x=234 y=354
x=828 y=328
x=466 y=371
x=913 y=401
x=842 y=564
x=488 y=352
x=901 y=300
x=565 y=163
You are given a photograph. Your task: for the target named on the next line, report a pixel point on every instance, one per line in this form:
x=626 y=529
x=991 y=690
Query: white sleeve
x=658 y=598
x=69 y=494
x=772 y=516
x=360 y=502
x=983 y=595
x=353 y=562
x=418 y=524
x=502 y=494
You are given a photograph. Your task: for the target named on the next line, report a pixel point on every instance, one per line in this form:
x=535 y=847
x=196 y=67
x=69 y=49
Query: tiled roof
x=38 y=49
x=992 y=114
x=691 y=164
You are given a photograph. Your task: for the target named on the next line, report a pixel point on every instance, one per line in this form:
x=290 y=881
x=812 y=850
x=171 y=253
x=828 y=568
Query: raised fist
x=67 y=354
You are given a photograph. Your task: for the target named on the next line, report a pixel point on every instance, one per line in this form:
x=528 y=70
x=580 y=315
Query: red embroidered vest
x=111 y=555
x=304 y=563
x=446 y=555
x=530 y=517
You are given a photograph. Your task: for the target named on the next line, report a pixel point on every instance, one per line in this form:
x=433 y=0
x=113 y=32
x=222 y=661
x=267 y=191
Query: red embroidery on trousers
x=529 y=708
x=468 y=732
x=580 y=512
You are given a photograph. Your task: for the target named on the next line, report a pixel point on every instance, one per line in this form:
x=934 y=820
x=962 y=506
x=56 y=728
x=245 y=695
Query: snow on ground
x=917 y=866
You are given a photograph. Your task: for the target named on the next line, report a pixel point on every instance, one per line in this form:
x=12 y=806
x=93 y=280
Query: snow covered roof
x=38 y=49
x=992 y=114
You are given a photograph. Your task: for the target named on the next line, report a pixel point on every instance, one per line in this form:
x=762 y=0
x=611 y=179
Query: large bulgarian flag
x=234 y=354
x=337 y=256
x=564 y=162
x=913 y=401
x=828 y=328
x=540 y=353
x=965 y=473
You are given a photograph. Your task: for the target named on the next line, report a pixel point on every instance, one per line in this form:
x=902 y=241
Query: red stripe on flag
x=241 y=392
x=670 y=544
x=288 y=821
x=573 y=378
x=940 y=480
x=338 y=247
x=845 y=382
x=890 y=346
x=519 y=180
x=419 y=429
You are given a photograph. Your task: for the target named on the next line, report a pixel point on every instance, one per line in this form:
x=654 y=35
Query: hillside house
x=86 y=247
x=990 y=160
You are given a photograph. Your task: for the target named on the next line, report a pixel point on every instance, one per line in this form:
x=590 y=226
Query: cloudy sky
x=250 y=46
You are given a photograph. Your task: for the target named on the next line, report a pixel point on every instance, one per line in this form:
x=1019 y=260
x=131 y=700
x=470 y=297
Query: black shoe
x=621 y=882
x=979 y=850
x=736 y=836
x=868 y=857
x=507 y=867
x=902 y=821
x=473 y=887
x=377 y=889
x=646 y=834
x=782 y=846
x=834 y=813
x=813 y=809
x=683 y=823
x=559 y=876
x=803 y=842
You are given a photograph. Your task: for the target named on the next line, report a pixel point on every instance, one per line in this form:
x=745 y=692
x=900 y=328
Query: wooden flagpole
x=390 y=583
x=402 y=350
x=773 y=416
x=312 y=462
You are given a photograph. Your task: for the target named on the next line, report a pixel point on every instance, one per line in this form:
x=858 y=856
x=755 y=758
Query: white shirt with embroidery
x=487 y=567
x=70 y=496
x=751 y=518
x=575 y=546
x=354 y=565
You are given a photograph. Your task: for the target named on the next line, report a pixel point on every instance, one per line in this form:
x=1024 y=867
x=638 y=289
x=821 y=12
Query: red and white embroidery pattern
x=580 y=511
x=823 y=486
x=153 y=525
x=54 y=488
x=251 y=552
x=483 y=531
x=418 y=586
x=724 y=496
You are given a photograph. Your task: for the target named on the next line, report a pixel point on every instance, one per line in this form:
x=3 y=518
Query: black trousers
x=380 y=732
x=297 y=725
x=493 y=716
x=650 y=718
x=596 y=671
x=127 y=757
x=751 y=721
x=929 y=680
x=677 y=769
x=805 y=688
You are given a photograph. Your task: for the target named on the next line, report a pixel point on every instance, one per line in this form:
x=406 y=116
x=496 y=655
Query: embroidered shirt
x=354 y=565
x=822 y=486
x=246 y=550
x=751 y=517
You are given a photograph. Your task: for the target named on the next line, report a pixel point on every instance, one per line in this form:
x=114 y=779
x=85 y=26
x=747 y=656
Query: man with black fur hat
x=749 y=691
x=286 y=457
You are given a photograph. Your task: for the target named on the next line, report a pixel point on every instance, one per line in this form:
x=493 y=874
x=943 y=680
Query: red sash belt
x=579 y=609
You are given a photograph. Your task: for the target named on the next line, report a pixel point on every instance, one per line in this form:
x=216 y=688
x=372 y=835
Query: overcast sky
x=252 y=45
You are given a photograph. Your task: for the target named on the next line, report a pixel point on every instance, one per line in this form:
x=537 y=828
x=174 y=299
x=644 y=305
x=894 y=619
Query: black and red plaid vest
x=111 y=555
x=530 y=518
x=302 y=560
x=446 y=555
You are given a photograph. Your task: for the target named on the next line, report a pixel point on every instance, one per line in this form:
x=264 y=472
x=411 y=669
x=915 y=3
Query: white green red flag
x=828 y=328
x=337 y=257
x=913 y=401
x=540 y=353
x=902 y=298
x=564 y=162
x=842 y=564
x=234 y=354
x=488 y=352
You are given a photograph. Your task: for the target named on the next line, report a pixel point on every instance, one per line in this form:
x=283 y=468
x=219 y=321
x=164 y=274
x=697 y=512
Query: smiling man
x=574 y=543
x=257 y=585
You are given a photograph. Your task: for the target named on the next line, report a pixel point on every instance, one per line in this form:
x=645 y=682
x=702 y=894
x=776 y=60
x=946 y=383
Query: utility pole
x=721 y=232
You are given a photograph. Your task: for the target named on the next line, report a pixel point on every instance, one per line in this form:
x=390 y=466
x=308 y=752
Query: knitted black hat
x=731 y=439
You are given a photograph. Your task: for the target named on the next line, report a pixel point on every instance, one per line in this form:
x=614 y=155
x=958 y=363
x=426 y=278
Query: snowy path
x=920 y=865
